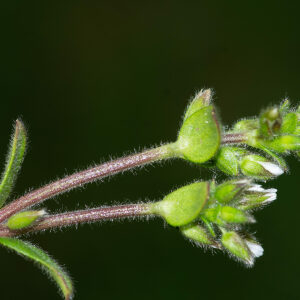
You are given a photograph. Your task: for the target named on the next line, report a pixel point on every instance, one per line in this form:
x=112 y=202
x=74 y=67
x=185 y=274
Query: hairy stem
x=82 y=216
x=233 y=138
x=78 y=179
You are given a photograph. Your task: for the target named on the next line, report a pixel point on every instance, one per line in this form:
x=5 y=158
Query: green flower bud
x=255 y=197
x=289 y=123
x=224 y=215
x=230 y=190
x=199 y=137
x=228 y=158
x=184 y=205
x=24 y=219
x=198 y=234
x=284 y=143
x=237 y=246
x=201 y=100
x=259 y=167
x=270 y=122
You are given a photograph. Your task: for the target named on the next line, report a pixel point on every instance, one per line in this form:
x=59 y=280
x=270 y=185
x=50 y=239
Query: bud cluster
x=214 y=215
x=274 y=133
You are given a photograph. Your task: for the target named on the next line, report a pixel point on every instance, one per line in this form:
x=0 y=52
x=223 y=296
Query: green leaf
x=199 y=137
x=14 y=161
x=183 y=205
x=44 y=260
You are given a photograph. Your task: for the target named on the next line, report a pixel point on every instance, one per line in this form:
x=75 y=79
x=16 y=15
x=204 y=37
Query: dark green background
x=94 y=79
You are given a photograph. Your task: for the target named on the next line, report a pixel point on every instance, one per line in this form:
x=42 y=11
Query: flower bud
x=228 y=159
x=224 y=215
x=270 y=122
x=184 y=205
x=230 y=190
x=237 y=246
x=256 y=249
x=24 y=219
x=198 y=234
x=256 y=197
x=201 y=100
x=259 y=167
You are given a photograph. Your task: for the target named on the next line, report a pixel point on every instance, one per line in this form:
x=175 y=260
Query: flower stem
x=78 y=179
x=83 y=216
x=233 y=138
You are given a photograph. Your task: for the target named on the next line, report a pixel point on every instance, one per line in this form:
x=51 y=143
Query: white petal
x=271 y=197
x=256 y=188
x=271 y=168
x=256 y=249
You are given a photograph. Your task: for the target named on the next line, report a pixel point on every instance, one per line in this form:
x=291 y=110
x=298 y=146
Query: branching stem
x=78 y=179
x=99 y=172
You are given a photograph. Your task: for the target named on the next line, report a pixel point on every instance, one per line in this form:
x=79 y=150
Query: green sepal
x=24 y=219
x=284 y=143
x=184 y=205
x=229 y=190
x=246 y=125
x=224 y=215
x=14 y=161
x=36 y=254
x=227 y=159
x=202 y=99
x=198 y=234
x=199 y=137
x=289 y=123
x=276 y=157
x=237 y=246
x=285 y=106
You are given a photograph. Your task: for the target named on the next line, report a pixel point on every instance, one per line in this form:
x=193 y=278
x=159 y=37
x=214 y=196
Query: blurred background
x=96 y=79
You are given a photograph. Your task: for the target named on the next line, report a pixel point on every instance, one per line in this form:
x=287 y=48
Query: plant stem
x=101 y=171
x=233 y=138
x=82 y=216
x=78 y=179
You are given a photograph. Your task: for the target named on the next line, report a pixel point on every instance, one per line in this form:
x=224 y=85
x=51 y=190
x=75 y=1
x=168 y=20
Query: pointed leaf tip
x=36 y=254
x=14 y=161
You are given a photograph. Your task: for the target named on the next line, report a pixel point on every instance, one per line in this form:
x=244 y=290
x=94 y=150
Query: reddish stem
x=81 y=216
x=83 y=177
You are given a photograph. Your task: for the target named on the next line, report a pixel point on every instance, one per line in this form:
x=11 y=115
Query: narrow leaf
x=44 y=260
x=14 y=161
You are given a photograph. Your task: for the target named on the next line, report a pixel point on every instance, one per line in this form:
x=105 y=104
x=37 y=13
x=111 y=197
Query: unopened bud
x=224 y=215
x=259 y=167
x=270 y=122
x=198 y=234
x=237 y=246
x=24 y=219
x=256 y=197
x=230 y=190
x=228 y=159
